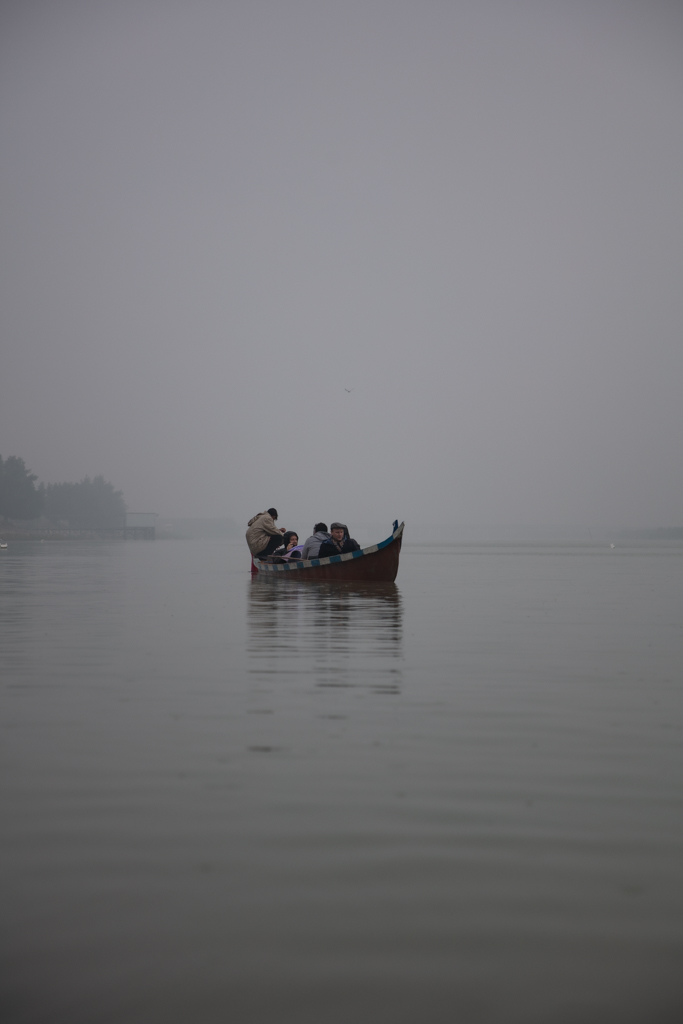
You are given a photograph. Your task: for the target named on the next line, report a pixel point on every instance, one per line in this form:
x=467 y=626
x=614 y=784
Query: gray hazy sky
x=216 y=216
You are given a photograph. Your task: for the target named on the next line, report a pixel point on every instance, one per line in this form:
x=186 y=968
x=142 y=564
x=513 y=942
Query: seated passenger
x=293 y=546
x=340 y=543
x=291 y=540
x=263 y=536
x=312 y=544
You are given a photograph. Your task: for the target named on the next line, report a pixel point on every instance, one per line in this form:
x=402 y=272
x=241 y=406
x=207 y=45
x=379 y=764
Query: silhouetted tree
x=19 y=498
x=90 y=504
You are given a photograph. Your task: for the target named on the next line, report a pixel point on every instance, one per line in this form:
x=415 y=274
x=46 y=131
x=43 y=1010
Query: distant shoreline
x=9 y=533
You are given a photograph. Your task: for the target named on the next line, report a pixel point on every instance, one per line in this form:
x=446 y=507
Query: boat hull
x=375 y=564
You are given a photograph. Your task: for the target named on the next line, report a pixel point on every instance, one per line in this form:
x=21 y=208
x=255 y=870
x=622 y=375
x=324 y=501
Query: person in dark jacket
x=340 y=542
x=290 y=540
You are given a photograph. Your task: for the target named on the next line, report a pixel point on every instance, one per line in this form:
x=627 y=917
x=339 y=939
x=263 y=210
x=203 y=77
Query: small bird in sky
x=348 y=390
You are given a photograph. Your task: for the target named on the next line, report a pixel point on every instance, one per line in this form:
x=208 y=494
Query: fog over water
x=219 y=216
x=360 y=261
x=453 y=798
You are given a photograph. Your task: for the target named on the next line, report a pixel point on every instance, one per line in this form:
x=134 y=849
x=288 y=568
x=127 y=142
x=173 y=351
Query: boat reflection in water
x=346 y=635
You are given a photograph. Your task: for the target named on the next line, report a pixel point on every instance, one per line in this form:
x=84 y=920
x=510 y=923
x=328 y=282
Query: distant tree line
x=19 y=497
x=90 y=504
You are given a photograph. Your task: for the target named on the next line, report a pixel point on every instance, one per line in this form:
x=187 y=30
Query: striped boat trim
x=310 y=563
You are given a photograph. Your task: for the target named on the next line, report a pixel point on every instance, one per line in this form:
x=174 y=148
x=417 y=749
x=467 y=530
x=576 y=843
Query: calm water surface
x=452 y=799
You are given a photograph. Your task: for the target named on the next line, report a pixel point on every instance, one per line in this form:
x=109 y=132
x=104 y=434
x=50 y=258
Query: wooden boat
x=376 y=564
